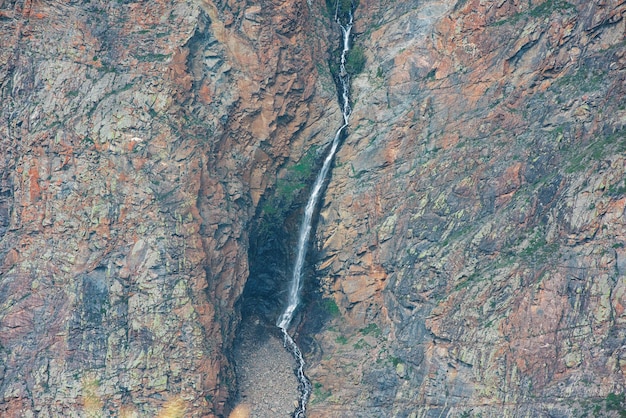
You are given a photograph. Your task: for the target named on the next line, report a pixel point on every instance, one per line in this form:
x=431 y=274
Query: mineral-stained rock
x=484 y=174
x=471 y=243
x=136 y=139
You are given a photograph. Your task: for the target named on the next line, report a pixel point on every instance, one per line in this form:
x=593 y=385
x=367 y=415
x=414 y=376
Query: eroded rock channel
x=250 y=353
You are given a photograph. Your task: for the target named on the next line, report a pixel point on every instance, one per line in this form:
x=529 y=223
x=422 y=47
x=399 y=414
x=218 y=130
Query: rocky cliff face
x=473 y=233
x=471 y=244
x=137 y=140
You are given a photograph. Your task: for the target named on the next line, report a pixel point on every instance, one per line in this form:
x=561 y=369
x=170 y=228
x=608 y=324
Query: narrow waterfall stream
x=268 y=385
x=307 y=223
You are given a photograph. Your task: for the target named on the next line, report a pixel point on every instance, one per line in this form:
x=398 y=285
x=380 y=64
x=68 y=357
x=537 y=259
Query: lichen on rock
x=470 y=254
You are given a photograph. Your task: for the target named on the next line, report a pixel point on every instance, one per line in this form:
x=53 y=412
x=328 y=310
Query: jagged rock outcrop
x=473 y=233
x=471 y=245
x=136 y=141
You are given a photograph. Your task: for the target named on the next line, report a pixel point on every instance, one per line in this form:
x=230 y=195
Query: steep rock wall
x=473 y=233
x=471 y=243
x=137 y=139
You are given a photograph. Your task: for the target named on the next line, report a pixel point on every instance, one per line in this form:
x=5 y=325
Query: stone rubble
x=266 y=381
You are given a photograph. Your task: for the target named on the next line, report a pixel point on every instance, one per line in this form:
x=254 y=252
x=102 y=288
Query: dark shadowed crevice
x=272 y=245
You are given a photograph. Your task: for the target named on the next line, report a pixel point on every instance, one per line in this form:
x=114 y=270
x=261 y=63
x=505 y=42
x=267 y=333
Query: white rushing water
x=307 y=224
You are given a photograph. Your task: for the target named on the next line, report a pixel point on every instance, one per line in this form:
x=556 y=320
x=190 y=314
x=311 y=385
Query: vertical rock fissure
x=306 y=226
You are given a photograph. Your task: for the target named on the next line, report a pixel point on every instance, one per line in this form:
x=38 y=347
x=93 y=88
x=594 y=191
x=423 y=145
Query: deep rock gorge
x=469 y=256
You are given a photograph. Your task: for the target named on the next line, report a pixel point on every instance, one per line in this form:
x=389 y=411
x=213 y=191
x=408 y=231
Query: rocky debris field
x=267 y=384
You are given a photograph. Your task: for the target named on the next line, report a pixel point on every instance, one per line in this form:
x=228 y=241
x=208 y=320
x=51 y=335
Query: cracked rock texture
x=136 y=139
x=471 y=247
x=473 y=234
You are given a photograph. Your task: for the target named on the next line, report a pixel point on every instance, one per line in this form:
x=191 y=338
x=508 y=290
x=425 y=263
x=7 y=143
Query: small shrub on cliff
x=545 y=9
x=341 y=339
x=615 y=402
x=361 y=344
x=286 y=192
x=330 y=306
x=371 y=329
x=355 y=61
x=319 y=394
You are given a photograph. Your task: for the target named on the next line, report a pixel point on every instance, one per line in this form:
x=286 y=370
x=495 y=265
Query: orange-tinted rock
x=123 y=212
x=472 y=235
x=499 y=222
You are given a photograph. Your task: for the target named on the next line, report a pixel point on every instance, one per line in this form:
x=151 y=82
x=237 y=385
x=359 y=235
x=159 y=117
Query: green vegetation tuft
x=575 y=164
x=610 y=144
x=538 y=249
x=361 y=344
x=543 y=10
x=371 y=329
x=341 y=7
x=395 y=360
x=546 y=8
x=283 y=199
x=585 y=79
x=319 y=394
x=469 y=280
x=617 y=189
x=330 y=306
x=341 y=339
x=355 y=61
x=153 y=57
x=616 y=402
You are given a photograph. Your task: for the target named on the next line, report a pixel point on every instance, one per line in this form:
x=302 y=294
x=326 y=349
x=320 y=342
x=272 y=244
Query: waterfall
x=307 y=224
